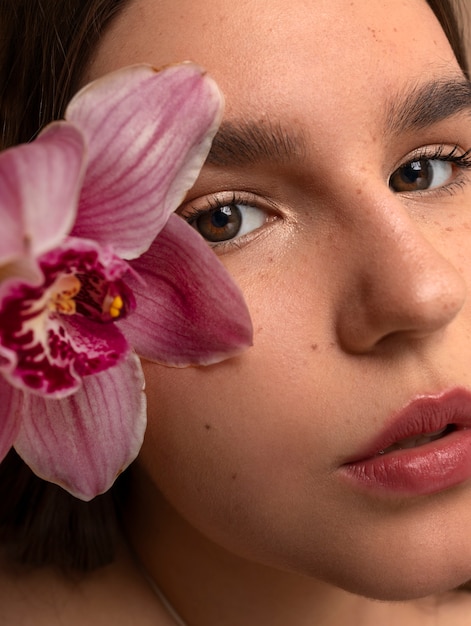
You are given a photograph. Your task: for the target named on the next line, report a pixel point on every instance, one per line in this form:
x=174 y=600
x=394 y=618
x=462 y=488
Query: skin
x=360 y=299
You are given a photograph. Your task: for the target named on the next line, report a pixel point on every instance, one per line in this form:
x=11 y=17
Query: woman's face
x=344 y=123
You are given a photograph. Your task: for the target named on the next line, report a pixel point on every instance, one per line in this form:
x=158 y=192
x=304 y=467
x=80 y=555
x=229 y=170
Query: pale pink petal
x=9 y=416
x=149 y=133
x=39 y=188
x=189 y=311
x=84 y=441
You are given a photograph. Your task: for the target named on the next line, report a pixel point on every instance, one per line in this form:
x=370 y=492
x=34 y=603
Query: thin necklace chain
x=165 y=601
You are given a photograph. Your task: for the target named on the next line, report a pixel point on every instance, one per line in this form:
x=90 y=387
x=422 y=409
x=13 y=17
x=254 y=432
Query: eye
x=222 y=222
x=431 y=168
x=421 y=175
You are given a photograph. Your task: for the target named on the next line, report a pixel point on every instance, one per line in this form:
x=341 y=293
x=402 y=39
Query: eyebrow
x=243 y=143
x=428 y=104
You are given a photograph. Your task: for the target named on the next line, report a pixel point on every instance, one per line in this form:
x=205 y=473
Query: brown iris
x=414 y=176
x=219 y=224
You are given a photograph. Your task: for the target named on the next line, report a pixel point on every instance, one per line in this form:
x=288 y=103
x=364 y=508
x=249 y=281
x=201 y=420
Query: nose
x=401 y=285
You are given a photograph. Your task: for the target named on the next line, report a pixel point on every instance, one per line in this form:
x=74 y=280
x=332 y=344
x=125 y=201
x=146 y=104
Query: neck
x=210 y=586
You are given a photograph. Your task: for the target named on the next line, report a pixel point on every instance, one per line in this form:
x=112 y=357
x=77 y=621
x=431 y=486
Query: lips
x=425 y=448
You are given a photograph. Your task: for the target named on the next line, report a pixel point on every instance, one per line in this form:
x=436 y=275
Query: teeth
x=416 y=441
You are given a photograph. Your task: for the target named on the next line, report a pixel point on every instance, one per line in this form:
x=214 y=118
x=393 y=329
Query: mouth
x=423 y=449
x=416 y=441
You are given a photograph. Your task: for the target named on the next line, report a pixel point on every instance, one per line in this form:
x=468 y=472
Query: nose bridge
x=401 y=283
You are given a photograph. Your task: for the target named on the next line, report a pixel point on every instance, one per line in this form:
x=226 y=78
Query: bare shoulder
x=111 y=595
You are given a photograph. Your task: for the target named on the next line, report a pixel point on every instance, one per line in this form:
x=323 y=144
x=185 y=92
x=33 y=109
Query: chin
x=419 y=549
x=410 y=585
x=407 y=563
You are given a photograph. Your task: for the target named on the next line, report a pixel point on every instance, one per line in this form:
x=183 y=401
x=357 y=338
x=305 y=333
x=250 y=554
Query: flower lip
x=424 y=415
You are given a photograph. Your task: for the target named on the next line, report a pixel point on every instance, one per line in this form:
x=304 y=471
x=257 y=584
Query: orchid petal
x=10 y=417
x=189 y=311
x=149 y=133
x=39 y=190
x=84 y=441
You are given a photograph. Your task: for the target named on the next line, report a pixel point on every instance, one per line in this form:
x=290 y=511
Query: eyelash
x=463 y=160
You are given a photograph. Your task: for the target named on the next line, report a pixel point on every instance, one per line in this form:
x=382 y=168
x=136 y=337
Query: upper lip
x=425 y=414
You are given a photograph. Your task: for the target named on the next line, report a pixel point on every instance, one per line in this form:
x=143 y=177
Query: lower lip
x=431 y=468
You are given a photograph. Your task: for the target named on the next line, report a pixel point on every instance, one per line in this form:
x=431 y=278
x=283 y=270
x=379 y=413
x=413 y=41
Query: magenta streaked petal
x=39 y=189
x=75 y=348
x=98 y=346
x=8 y=360
x=148 y=133
x=10 y=416
x=85 y=441
x=189 y=311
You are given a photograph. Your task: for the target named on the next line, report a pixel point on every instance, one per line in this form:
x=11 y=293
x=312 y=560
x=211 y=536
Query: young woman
x=328 y=467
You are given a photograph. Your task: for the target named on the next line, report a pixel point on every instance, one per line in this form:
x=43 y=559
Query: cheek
x=228 y=455
x=237 y=445
x=236 y=420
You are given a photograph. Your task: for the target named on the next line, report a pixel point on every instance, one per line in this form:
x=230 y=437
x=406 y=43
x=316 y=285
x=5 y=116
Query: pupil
x=221 y=218
x=413 y=172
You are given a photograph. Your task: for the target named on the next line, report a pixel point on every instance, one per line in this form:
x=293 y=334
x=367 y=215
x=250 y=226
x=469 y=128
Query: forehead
x=303 y=57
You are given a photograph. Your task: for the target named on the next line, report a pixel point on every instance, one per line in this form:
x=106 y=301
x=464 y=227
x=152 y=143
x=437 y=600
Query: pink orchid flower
x=95 y=268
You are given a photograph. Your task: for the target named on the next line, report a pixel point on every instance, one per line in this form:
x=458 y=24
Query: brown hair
x=45 y=47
